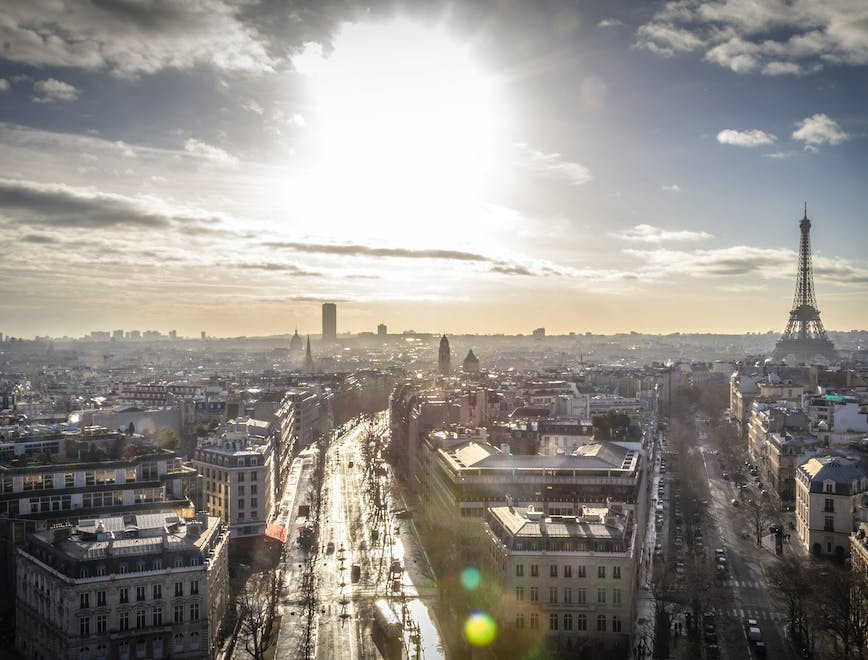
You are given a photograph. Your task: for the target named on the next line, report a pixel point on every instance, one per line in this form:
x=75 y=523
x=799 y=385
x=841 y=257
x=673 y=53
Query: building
x=132 y=585
x=238 y=475
x=382 y=330
x=570 y=577
x=329 y=322
x=295 y=344
x=837 y=418
x=444 y=357
x=471 y=363
x=558 y=436
x=830 y=499
x=778 y=436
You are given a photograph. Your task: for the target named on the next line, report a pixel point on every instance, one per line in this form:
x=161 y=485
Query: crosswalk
x=742 y=613
x=747 y=584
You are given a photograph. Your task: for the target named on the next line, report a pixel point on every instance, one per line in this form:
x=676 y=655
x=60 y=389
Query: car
x=725 y=476
x=750 y=623
x=679 y=568
x=754 y=634
x=330 y=548
x=719 y=552
x=734 y=502
x=760 y=647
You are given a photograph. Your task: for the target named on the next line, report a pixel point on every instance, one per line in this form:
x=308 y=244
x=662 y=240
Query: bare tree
x=844 y=601
x=760 y=513
x=794 y=582
x=257 y=605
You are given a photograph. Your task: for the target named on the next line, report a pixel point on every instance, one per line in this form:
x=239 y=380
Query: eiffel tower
x=805 y=338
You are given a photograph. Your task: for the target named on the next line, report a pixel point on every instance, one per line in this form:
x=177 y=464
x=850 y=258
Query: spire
x=308 y=357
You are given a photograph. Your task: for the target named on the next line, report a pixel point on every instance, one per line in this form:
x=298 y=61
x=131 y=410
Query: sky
x=468 y=167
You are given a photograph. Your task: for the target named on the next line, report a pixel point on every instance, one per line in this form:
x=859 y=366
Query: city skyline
x=472 y=167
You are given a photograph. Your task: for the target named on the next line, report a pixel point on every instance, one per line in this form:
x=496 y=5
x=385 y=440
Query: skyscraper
x=445 y=357
x=805 y=338
x=329 y=322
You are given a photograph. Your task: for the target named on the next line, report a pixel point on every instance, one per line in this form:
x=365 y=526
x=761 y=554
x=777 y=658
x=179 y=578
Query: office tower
x=329 y=322
x=805 y=338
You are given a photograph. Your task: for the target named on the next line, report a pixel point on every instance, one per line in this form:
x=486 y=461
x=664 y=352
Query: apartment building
x=136 y=585
x=238 y=477
x=830 y=500
x=568 y=577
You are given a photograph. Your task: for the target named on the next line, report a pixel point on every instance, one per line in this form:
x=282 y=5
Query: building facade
x=149 y=585
x=830 y=499
x=329 y=322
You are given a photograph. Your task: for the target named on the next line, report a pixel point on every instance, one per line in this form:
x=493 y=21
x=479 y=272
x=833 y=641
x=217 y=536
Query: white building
x=238 y=476
x=829 y=501
x=137 y=585
x=567 y=577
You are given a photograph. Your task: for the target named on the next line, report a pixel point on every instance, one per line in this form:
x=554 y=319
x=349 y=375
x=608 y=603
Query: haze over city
x=477 y=167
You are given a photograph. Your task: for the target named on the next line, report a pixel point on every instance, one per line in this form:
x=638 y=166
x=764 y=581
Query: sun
x=404 y=120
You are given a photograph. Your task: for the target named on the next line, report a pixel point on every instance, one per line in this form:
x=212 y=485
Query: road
x=371 y=532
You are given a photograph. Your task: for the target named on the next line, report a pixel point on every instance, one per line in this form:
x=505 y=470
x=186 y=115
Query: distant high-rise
x=445 y=358
x=381 y=330
x=805 y=338
x=329 y=322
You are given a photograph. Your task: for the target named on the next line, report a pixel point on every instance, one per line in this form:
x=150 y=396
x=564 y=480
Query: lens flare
x=470 y=578
x=480 y=629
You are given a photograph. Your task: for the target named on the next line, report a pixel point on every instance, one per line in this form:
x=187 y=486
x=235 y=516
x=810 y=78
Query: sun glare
x=405 y=123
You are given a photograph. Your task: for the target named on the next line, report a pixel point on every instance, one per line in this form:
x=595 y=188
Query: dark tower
x=309 y=364
x=329 y=322
x=445 y=358
x=805 y=338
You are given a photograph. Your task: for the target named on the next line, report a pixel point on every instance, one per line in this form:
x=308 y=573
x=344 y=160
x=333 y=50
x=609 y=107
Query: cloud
x=356 y=250
x=752 y=138
x=39 y=239
x=819 y=129
x=290 y=269
x=552 y=165
x=252 y=106
x=54 y=90
x=610 y=22
x=4 y=84
x=650 y=234
x=64 y=206
x=505 y=269
x=209 y=152
x=673 y=188
x=769 y=37
x=130 y=38
x=741 y=260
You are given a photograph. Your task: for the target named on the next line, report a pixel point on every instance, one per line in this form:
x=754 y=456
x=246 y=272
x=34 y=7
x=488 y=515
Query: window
x=158 y=591
x=553 y=621
x=568 y=621
x=519 y=620
x=241 y=490
x=616 y=596
x=830 y=505
x=582 y=572
x=534 y=570
x=241 y=480
x=84 y=601
x=534 y=594
x=157 y=616
x=84 y=626
x=140 y=593
x=601 y=623
x=194 y=587
x=601 y=596
x=100 y=598
x=829 y=525
x=179 y=588
x=124 y=621
x=568 y=571
x=84 y=653
x=519 y=593
x=253 y=489
x=194 y=640
x=178 y=643
x=254 y=503
x=158 y=647
x=828 y=488
x=616 y=572
x=179 y=614
x=568 y=595
x=534 y=620
x=583 y=596
x=581 y=622
x=124 y=593
x=616 y=624
x=240 y=504
x=254 y=476
x=553 y=594
x=553 y=570
x=519 y=570
x=140 y=648
x=140 y=618
x=101 y=624
x=158 y=564
x=194 y=612
x=601 y=571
